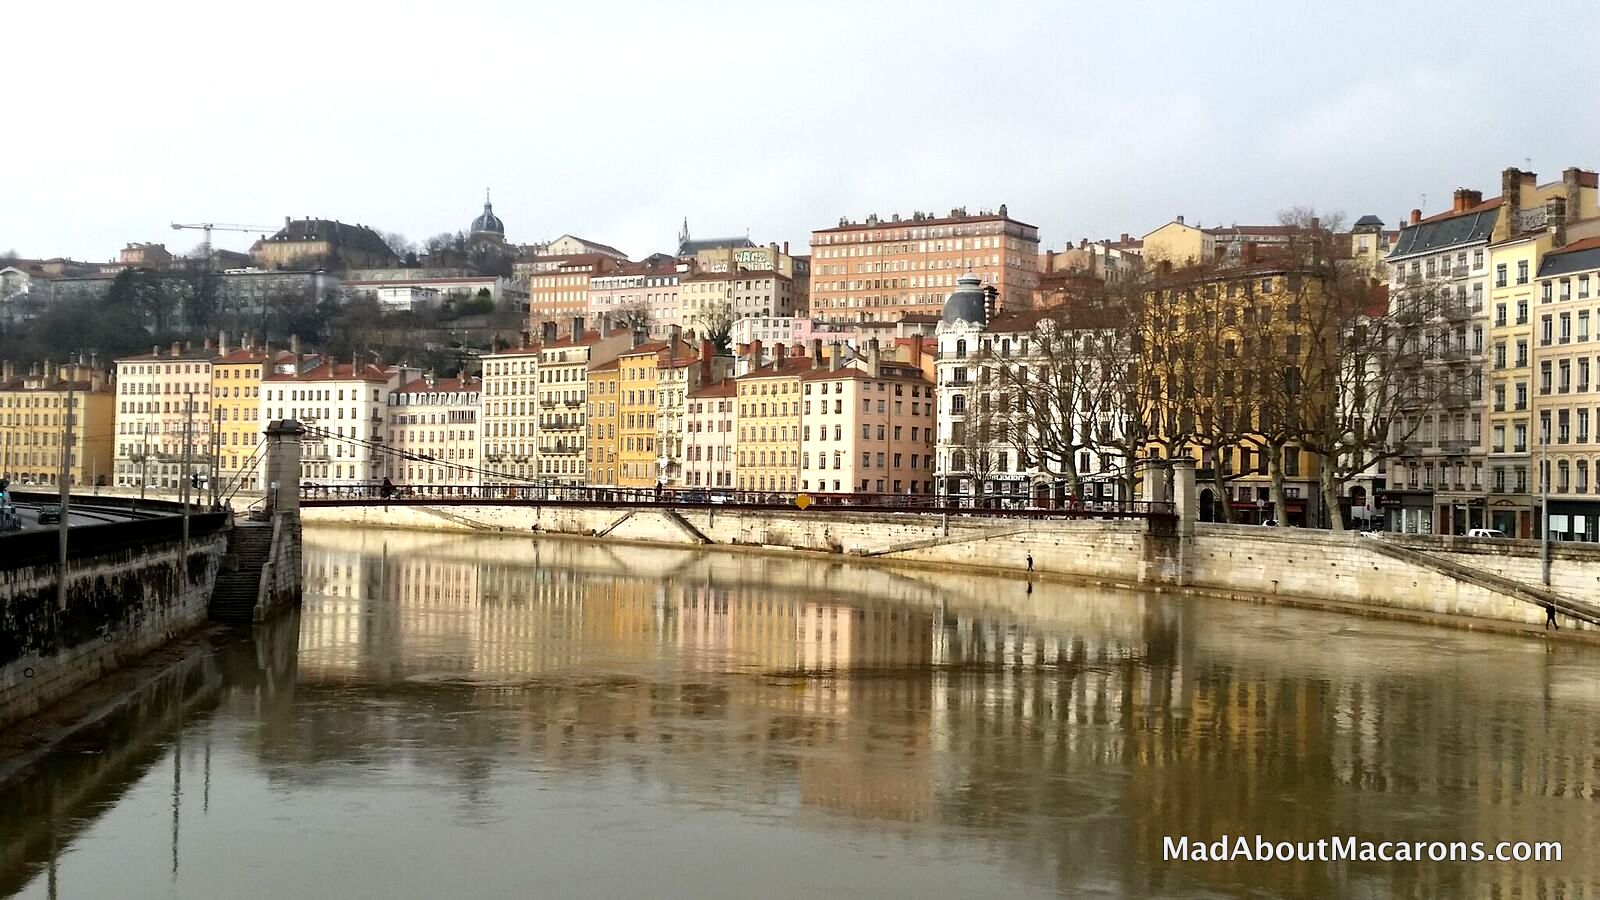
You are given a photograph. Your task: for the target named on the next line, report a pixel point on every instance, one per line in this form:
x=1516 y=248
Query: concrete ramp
x=463 y=521
x=1542 y=597
x=613 y=526
x=692 y=533
x=984 y=534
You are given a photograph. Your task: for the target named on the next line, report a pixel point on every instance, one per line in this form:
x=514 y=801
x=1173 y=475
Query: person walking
x=1030 y=562
x=1550 y=617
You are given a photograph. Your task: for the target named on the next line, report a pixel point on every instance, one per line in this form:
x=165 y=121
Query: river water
x=498 y=717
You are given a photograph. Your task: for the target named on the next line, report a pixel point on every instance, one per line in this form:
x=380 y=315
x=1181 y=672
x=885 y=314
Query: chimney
x=49 y=371
x=525 y=337
x=1180 y=220
x=816 y=353
x=705 y=361
x=779 y=354
x=674 y=337
x=94 y=361
x=577 y=328
x=1555 y=220
x=548 y=332
x=1416 y=216
x=431 y=379
x=874 y=360
x=207 y=344
x=222 y=343
x=155 y=350
x=1574 y=180
x=636 y=336
x=8 y=370
x=97 y=380
x=1509 y=222
x=1049 y=261
x=785 y=248
x=1124 y=238
x=286 y=221
x=177 y=348
x=1465 y=199
x=835 y=354
x=1247 y=253
x=755 y=353
x=1316 y=224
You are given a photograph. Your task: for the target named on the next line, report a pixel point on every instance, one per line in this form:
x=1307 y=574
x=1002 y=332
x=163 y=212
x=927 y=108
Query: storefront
x=1574 y=520
x=1459 y=513
x=1407 y=512
x=1512 y=514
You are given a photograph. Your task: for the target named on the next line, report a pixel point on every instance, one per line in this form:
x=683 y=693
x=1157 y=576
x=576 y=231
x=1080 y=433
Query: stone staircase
x=1586 y=611
x=233 y=600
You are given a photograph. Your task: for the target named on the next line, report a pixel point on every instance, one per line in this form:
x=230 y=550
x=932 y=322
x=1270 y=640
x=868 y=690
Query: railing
x=583 y=495
x=1455 y=447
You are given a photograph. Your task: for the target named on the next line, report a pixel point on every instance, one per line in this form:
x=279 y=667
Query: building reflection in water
x=1063 y=732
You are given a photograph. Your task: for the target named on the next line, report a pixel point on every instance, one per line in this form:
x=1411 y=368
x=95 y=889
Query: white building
x=985 y=446
x=433 y=426
x=342 y=406
x=510 y=414
x=162 y=396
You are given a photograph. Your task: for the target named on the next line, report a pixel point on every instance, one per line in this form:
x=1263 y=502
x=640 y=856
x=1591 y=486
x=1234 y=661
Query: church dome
x=967 y=302
x=488 y=223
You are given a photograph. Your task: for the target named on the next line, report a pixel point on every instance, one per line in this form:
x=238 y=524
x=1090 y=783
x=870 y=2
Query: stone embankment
x=1477 y=586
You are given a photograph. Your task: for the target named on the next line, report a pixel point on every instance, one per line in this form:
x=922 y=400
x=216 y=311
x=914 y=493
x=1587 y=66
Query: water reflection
x=602 y=720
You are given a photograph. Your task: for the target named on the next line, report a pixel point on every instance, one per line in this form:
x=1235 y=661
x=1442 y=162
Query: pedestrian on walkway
x=1550 y=617
x=1030 y=562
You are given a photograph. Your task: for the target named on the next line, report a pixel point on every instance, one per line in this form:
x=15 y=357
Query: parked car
x=1485 y=533
x=1269 y=523
x=50 y=514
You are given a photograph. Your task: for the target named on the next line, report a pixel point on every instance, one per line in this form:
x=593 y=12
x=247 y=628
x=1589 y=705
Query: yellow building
x=637 y=448
x=1179 y=244
x=600 y=422
x=1206 y=338
x=769 y=425
x=321 y=243
x=1567 y=403
x=236 y=409
x=32 y=423
x=1526 y=324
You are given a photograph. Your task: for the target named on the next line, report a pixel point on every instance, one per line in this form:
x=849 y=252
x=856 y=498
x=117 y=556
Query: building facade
x=33 y=415
x=342 y=406
x=163 y=426
x=433 y=427
x=563 y=374
x=881 y=269
x=236 y=375
x=510 y=398
x=867 y=426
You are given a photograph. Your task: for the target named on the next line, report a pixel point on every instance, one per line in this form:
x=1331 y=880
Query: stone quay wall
x=1293 y=566
x=123 y=599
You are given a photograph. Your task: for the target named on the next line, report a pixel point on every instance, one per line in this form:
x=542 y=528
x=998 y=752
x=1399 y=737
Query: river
x=461 y=717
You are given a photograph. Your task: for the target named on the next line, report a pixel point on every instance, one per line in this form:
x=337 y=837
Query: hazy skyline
x=614 y=121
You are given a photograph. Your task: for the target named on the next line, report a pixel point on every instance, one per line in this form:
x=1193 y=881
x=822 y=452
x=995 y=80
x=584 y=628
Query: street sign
x=802 y=500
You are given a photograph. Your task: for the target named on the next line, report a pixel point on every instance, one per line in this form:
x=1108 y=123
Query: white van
x=1485 y=533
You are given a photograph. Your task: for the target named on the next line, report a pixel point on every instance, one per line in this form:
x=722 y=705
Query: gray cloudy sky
x=615 y=120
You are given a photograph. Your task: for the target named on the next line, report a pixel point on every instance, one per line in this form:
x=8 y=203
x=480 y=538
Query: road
x=29 y=513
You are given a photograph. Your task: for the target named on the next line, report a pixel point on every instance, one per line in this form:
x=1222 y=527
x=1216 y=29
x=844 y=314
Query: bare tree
x=635 y=316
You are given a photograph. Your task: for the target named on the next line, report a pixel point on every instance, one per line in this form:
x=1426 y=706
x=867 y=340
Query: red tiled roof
x=789 y=366
x=1585 y=244
x=723 y=388
x=1485 y=206
x=920 y=223
x=241 y=356
x=610 y=365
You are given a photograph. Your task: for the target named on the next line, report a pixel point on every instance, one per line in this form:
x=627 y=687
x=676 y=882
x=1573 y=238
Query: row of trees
x=1235 y=362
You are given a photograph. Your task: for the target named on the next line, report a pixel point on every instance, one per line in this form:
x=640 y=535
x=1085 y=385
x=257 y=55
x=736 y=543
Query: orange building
x=879 y=270
x=600 y=422
x=636 y=415
x=558 y=286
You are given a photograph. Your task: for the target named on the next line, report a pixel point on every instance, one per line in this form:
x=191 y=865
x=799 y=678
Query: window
x=1522 y=312
x=1522 y=271
x=1499 y=315
x=1500 y=275
x=1546 y=331
x=1500 y=355
x=1544 y=377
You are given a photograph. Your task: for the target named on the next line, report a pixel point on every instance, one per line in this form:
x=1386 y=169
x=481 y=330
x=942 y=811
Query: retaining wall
x=122 y=601
x=1298 y=565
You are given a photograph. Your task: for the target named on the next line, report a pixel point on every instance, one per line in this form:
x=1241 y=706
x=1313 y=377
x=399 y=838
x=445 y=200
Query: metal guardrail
x=30 y=548
x=1015 y=505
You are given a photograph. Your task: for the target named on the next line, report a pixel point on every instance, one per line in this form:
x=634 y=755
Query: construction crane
x=209 y=227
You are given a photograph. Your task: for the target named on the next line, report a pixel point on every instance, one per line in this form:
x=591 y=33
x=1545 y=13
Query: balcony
x=1455 y=448
x=1455 y=354
x=572 y=404
x=1456 y=399
x=548 y=403
x=1456 y=310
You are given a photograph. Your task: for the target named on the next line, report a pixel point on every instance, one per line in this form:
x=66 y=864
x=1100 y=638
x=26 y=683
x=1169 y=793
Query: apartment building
x=867 y=426
x=558 y=286
x=1567 y=402
x=881 y=269
x=342 y=406
x=433 y=428
x=33 y=417
x=599 y=423
x=1439 y=484
x=709 y=297
x=563 y=375
x=710 y=436
x=162 y=397
x=1527 y=321
x=768 y=411
x=509 y=406
x=645 y=291
x=236 y=374
x=680 y=372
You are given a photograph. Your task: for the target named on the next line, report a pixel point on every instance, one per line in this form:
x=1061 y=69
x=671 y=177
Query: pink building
x=710 y=445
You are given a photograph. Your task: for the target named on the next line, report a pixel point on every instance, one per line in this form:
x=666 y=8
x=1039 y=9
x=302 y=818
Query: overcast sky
x=614 y=121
